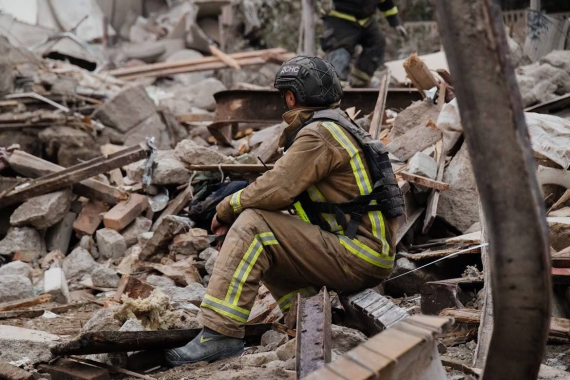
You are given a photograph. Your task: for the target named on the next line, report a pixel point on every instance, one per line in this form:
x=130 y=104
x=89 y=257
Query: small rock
x=17 y=268
x=287 y=351
x=144 y=237
x=273 y=337
x=104 y=277
x=190 y=243
x=207 y=253
x=160 y=281
x=413 y=282
x=191 y=153
x=78 y=263
x=423 y=165
x=21 y=239
x=345 y=339
x=290 y=364
x=103 y=320
x=43 y=211
x=257 y=360
x=15 y=287
x=55 y=284
x=18 y=343
x=193 y=293
x=110 y=243
x=167 y=228
x=211 y=261
x=132 y=325
x=86 y=242
x=471 y=345
x=58 y=236
x=132 y=231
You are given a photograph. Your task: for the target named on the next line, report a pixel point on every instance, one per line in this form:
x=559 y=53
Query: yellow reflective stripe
x=346 y=16
x=317 y=196
x=287 y=300
x=391 y=12
x=235 y=202
x=246 y=265
x=302 y=214
x=366 y=253
x=231 y=311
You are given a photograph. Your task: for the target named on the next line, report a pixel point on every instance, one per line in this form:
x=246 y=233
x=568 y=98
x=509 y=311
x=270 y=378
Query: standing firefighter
x=351 y=23
x=342 y=187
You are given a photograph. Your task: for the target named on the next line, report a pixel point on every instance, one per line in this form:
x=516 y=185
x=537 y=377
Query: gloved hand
x=218 y=227
x=402 y=31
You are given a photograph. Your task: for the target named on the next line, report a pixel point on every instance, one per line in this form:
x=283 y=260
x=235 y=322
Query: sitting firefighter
x=341 y=186
x=349 y=23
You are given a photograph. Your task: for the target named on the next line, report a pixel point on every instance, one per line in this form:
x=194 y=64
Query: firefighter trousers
x=289 y=256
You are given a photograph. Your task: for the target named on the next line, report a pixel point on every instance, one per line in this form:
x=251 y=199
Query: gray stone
x=273 y=338
x=190 y=243
x=257 y=360
x=287 y=351
x=160 y=281
x=423 y=165
x=16 y=268
x=132 y=325
x=144 y=237
x=211 y=261
x=59 y=136
x=193 y=293
x=149 y=127
x=43 y=211
x=126 y=110
x=59 y=235
x=419 y=113
x=15 y=287
x=191 y=153
x=6 y=78
x=541 y=82
x=78 y=263
x=18 y=343
x=21 y=239
x=411 y=283
x=104 y=277
x=207 y=253
x=110 y=243
x=132 y=231
x=167 y=228
x=168 y=170
x=55 y=284
x=345 y=339
x=147 y=51
x=171 y=47
x=103 y=320
x=459 y=205
x=559 y=232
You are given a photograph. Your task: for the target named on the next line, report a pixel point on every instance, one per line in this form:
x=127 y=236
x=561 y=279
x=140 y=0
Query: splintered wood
x=419 y=74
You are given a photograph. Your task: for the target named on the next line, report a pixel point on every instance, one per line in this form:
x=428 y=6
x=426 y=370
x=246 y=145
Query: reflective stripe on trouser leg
x=222 y=307
x=287 y=300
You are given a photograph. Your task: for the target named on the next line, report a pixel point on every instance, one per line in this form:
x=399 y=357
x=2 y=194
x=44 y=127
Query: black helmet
x=313 y=81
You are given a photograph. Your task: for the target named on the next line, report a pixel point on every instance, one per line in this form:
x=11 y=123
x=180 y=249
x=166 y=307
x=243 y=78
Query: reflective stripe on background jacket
x=362 y=10
x=327 y=162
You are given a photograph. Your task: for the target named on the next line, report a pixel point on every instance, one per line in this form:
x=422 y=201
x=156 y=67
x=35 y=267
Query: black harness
x=385 y=196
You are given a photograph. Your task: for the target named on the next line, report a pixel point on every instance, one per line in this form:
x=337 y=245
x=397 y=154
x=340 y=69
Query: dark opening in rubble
x=87 y=65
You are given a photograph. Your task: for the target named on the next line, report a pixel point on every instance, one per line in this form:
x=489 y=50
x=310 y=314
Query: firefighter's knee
x=340 y=59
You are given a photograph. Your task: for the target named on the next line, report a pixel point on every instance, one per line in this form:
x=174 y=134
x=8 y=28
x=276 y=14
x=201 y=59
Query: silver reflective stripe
x=227 y=309
x=355 y=248
x=248 y=261
x=267 y=238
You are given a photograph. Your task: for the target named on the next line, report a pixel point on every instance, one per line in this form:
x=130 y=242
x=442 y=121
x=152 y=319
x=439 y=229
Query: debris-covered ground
x=115 y=150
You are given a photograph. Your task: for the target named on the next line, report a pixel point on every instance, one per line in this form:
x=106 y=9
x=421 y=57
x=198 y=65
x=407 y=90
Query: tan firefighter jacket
x=328 y=163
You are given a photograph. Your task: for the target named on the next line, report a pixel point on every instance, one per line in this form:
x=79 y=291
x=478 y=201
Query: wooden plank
x=11 y=372
x=63 y=369
x=433 y=199
x=33 y=167
x=74 y=174
x=409 y=223
x=112 y=368
x=175 y=206
x=378 y=115
x=420 y=74
x=25 y=303
x=125 y=212
x=33 y=313
x=423 y=181
x=196 y=117
x=226 y=58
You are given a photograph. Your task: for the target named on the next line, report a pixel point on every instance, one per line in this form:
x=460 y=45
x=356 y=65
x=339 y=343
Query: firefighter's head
x=308 y=82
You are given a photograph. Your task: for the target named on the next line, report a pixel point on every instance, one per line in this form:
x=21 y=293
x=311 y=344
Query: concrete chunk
x=55 y=284
x=190 y=243
x=104 y=277
x=130 y=107
x=17 y=268
x=19 y=343
x=43 y=211
x=138 y=226
x=168 y=170
x=21 y=239
x=111 y=244
x=15 y=287
x=78 y=263
x=59 y=235
x=169 y=227
x=191 y=153
x=423 y=165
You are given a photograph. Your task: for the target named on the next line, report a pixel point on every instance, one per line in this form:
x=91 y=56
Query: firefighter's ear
x=290 y=99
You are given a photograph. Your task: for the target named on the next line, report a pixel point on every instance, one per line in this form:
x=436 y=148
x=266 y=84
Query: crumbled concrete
x=419 y=113
x=193 y=293
x=21 y=239
x=168 y=170
x=273 y=338
x=190 y=243
x=132 y=325
x=43 y=211
x=459 y=205
x=191 y=153
x=345 y=339
x=14 y=287
x=149 y=127
x=160 y=282
x=103 y=320
x=144 y=237
x=59 y=235
x=111 y=244
x=78 y=263
x=259 y=359
x=18 y=343
x=123 y=112
x=423 y=165
x=16 y=268
x=55 y=284
x=132 y=231
x=211 y=260
x=104 y=277
x=168 y=227
x=411 y=283
x=201 y=95
x=287 y=351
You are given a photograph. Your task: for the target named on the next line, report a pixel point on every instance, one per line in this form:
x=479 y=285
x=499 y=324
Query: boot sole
x=217 y=356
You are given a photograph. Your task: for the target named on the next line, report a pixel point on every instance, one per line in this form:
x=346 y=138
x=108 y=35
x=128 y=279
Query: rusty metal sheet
x=266 y=106
x=313 y=333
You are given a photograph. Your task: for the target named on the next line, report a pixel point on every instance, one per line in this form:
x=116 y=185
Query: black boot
x=208 y=346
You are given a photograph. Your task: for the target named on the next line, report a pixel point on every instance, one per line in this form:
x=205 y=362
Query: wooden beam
x=423 y=181
x=43 y=298
x=378 y=115
x=196 y=117
x=33 y=167
x=73 y=175
x=433 y=198
x=419 y=74
x=227 y=59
